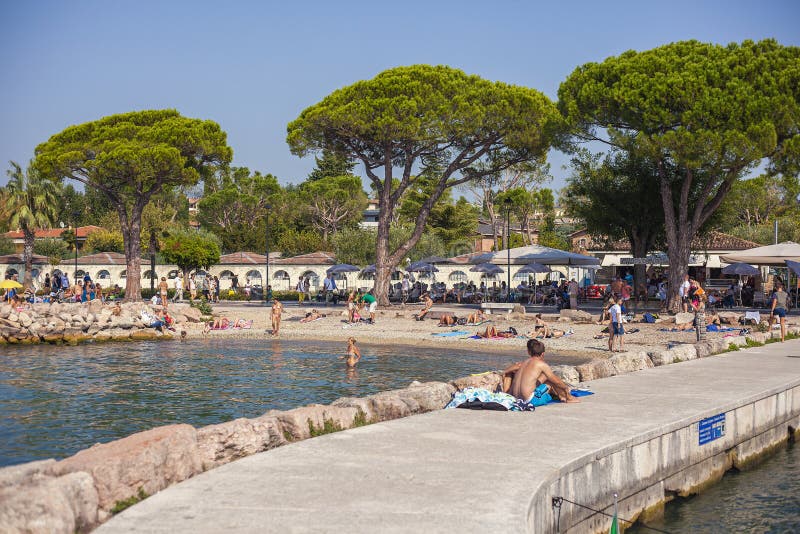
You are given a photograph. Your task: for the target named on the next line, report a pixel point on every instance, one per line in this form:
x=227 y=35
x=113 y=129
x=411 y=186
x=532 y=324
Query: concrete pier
x=451 y=470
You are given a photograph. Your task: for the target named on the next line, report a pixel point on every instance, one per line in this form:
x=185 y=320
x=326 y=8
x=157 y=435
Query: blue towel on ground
x=451 y=334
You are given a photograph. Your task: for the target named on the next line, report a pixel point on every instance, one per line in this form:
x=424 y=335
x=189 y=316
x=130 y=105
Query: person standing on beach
x=178 y=296
x=780 y=299
x=573 y=290
x=369 y=299
x=162 y=290
x=683 y=292
x=192 y=288
x=615 y=329
x=277 y=309
x=301 y=292
x=307 y=287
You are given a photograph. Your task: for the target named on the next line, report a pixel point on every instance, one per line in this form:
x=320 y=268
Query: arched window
x=225 y=275
x=35 y=273
x=123 y=274
x=489 y=277
x=457 y=276
x=103 y=275
x=423 y=275
x=521 y=277
x=80 y=274
x=150 y=275
x=173 y=274
x=280 y=275
x=11 y=272
x=582 y=242
x=254 y=277
x=313 y=278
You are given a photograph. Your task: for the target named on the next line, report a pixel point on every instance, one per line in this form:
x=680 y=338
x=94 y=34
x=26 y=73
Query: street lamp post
x=508 y=249
x=75 y=215
x=153 y=262
x=266 y=233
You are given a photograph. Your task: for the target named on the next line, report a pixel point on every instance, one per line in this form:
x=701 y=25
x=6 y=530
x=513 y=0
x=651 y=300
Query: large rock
x=25 y=319
x=150 y=460
x=145 y=334
x=122 y=321
x=629 y=362
x=662 y=357
x=16 y=475
x=301 y=423
x=225 y=442
x=683 y=318
x=66 y=504
x=490 y=381
x=192 y=314
x=729 y=317
x=567 y=373
x=577 y=316
x=683 y=352
x=594 y=370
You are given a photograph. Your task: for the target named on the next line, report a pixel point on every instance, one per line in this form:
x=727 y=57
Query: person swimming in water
x=353 y=354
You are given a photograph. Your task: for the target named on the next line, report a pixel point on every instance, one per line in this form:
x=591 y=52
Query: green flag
x=614 y=525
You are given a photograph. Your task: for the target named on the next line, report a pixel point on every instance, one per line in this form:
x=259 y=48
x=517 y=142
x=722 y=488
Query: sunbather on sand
x=313 y=315
x=522 y=378
x=476 y=317
x=492 y=332
x=448 y=319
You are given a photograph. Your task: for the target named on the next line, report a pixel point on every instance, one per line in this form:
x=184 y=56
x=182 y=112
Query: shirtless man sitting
x=428 y=303
x=521 y=379
x=476 y=317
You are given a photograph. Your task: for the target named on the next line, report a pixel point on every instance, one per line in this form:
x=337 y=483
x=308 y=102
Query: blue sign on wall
x=711 y=428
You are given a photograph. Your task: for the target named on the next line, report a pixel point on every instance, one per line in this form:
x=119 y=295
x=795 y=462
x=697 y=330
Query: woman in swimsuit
x=353 y=354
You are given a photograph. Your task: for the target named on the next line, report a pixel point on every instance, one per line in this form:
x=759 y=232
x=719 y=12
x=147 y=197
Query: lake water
x=764 y=498
x=56 y=400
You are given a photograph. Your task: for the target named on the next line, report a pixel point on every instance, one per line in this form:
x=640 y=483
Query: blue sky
x=254 y=66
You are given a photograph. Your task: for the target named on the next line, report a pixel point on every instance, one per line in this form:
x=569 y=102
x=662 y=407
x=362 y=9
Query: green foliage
x=751 y=342
x=330 y=164
x=551 y=239
x=55 y=249
x=293 y=242
x=329 y=426
x=104 y=241
x=190 y=250
x=355 y=246
x=360 y=419
x=7 y=246
x=131 y=158
x=203 y=305
x=235 y=208
x=732 y=347
x=704 y=115
x=334 y=202
x=130 y=501
x=454 y=127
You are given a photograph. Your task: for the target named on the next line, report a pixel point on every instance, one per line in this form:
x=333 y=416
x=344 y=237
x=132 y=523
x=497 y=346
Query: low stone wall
x=73 y=323
x=663 y=464
x=79 y=492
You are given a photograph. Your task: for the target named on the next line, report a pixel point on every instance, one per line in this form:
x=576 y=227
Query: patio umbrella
x=343 y=268
x=369 y=269
x=486 y=268
x=742 y=269
x=422 y=267
x=769 y=255
x=534 y=268
x=794 y=266
x=10 y=284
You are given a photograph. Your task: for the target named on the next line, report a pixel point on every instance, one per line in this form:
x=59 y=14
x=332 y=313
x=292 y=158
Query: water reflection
x=57 y=400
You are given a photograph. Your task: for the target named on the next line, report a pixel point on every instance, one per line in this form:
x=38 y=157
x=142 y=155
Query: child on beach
x=353 y=354
x=615 y=329
x=277 y=308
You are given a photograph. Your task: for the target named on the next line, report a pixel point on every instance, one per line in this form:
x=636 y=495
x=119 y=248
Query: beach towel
x=450 y=334
x=480 y=398
x=574 y=393
x=754 y=315
x=246 y=326
x=478 y=324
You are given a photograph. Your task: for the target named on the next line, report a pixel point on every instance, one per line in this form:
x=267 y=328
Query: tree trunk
x=639 y=247
x=133 y=253
x=383 y=267
x=27 y=254
x=679 y=234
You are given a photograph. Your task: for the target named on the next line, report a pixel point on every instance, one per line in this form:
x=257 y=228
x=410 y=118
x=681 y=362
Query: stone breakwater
x=84 y=490
x=74 y=323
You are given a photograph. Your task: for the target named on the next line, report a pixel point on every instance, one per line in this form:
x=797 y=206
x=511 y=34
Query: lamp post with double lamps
x=507 y=204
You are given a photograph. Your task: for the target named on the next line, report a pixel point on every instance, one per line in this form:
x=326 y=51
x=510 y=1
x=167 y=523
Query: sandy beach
x=396 y=326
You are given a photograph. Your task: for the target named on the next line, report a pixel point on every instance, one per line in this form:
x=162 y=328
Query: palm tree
x=30 y=204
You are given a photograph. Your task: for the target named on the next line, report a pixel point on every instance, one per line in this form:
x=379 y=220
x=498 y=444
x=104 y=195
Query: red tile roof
x=712 y=240
x=42 y=233
x=246 y=258
x=102 y=258
x=16 y=259
x=314 y=258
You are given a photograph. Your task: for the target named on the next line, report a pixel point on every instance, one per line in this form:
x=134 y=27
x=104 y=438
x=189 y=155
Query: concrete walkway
x=455 y=470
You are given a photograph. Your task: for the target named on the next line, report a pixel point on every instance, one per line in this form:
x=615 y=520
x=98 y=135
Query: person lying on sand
x=313 y=315
x=521 y=379
x=492 y=332
x=448 y=319
x=476 y=317
x=353 y=354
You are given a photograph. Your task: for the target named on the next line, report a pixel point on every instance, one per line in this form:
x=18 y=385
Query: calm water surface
x=765 y=498
x=57 y=400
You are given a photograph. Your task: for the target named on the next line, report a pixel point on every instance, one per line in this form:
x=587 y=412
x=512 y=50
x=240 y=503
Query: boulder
x=683 y=352
x=102 y=335
x=225 y=442
x=192 y=314
x=704 y=349
x=567 y=373
x=683 y=318
x=299 y=423
x=16 y=475
x=661 y=357
x=594 y=370
x=729 y=317
x=150 y=460
x=24 y=319
x=145 y=334
x=122 y=321
x=577 y=316
x=13 y=318
x=65 y=504
x=490 y=381
x=628 y=362
x=5 y=311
